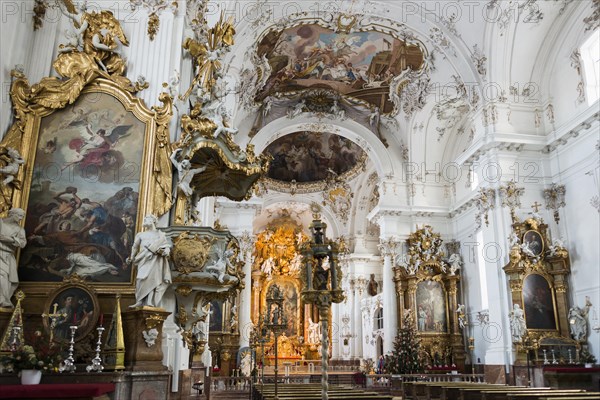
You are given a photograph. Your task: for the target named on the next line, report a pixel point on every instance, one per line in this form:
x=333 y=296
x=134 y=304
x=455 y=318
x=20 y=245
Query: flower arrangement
x=39 y=354
x=586 y=357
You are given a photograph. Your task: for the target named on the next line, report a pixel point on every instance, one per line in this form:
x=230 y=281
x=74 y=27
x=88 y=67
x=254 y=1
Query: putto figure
x=13 y=161
x=150 y=254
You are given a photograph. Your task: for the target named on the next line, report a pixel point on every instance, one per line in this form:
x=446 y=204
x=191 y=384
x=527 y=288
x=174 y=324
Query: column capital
x=390 y=246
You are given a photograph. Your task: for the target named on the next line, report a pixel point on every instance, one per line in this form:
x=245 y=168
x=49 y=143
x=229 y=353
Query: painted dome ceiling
x=359 y=64
x=312 y=157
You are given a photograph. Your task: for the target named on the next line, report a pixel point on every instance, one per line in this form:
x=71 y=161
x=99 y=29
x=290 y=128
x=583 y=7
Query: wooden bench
x=436 y=390
x=583 y=396
x=552 y=394
x=313 y=392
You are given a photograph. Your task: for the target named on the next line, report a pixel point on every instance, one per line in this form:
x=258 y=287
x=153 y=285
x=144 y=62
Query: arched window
x=590 y=55
x=379 y=319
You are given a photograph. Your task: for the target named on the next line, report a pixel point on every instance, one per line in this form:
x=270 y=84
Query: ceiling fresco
x=307 y=157
x=359 y=64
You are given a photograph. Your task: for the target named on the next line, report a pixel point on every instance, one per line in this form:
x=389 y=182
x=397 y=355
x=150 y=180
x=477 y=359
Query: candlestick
x=553 y=357
x=101 y=319
x=69 y=364
x=570 y=357
x=545 y=357
x=96 y=364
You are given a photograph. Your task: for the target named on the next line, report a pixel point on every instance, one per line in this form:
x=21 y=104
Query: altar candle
x=101 y=319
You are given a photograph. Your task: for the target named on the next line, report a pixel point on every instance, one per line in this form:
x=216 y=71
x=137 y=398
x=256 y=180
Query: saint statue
x=578 y=321
x=150 y=254
x=12 y=237
x=372 y=288
x=313 y=332
x=518 y=328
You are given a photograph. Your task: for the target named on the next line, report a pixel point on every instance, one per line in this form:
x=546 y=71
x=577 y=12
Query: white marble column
x=390 y=312
x=336 y=325
x=245 y=306
x=360 y=284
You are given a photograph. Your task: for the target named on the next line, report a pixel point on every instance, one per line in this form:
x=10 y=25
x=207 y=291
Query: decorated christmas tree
x=405 y=358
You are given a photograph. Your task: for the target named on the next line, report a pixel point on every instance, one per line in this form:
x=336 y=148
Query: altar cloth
x=56 y=391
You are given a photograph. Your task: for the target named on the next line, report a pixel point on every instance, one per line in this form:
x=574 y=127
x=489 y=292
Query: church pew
x=553 y=394
x=314 y=392
x=429 y=390
x=353 y=395
x=533 y=391
x=578 y=396
x=448 y=390
x=310 y=392
x=348 y=396
x=501 y=390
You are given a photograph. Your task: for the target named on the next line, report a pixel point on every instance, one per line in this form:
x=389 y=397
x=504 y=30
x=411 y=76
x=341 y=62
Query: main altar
x=278 y=262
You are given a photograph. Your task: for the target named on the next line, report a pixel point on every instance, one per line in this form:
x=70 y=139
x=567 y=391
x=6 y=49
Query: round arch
x=333 y=224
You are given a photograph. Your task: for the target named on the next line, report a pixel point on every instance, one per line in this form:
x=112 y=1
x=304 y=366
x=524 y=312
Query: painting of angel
x=83 y=201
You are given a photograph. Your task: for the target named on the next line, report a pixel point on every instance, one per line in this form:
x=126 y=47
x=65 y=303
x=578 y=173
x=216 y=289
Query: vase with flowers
x=30 y=360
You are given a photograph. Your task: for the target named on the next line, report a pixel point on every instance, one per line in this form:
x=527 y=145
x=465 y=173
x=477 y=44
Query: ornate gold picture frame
x=539 y=303
x=432 y=307
x=72 y=304
x=87 y=186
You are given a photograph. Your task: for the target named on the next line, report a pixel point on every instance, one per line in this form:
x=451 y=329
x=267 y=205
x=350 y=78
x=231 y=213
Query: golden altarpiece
x=278 y=261
x=538 y=272
x=428 y=286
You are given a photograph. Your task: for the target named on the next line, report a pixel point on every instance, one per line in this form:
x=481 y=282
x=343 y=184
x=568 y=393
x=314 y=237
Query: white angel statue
x=455 y=263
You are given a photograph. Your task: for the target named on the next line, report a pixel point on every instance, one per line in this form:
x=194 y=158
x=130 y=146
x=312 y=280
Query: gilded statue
x=207 y=53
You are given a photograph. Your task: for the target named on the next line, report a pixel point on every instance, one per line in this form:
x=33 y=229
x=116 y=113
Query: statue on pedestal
x=518 y=328
x=314 y=336
x=150 y=253
x=578 y=321
x=12 y=237
x=373 y=285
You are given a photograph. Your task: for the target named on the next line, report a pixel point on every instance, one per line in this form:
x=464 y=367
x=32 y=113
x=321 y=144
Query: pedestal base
x=143 y=338
x=143 y=385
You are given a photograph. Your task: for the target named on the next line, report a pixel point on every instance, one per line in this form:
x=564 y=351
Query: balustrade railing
x=241 y=383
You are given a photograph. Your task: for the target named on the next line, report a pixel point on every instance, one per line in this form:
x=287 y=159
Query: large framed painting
x=216 y=317
x=432 y=312
x=538 y=300
x=90 y=166
x=71 y=305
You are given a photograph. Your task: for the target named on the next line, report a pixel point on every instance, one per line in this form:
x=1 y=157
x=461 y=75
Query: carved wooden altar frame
x=555 y=268
x=432 y=342
x=425 y=263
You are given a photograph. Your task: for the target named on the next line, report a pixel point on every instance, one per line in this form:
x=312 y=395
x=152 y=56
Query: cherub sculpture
x=13 y=161
x=455 y=263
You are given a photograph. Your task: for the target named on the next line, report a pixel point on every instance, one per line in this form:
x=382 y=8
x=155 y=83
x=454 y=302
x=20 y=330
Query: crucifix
x=53 y=317
x=536 y=206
